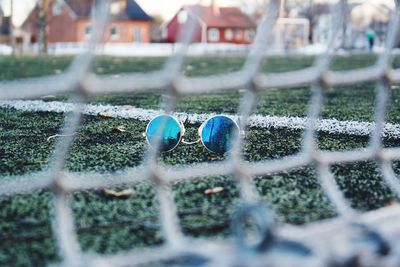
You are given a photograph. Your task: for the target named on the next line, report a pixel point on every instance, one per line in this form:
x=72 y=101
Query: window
x=114 y=32
x=228 y=34
x=57 y=8
x=252 y=34
x=137 y=34
x=239 y=35
x=249 y=35
x=213 y=35
x=88 y=31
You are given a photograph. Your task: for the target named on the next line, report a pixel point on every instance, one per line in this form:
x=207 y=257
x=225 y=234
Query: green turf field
x=107 y=224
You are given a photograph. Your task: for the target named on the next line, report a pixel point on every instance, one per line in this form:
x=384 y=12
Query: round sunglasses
x=216 y=133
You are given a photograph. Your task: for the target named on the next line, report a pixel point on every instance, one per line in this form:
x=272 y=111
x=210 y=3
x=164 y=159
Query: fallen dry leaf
x=392 y=202
x=56 y=135
x=104 y=116
x=213 y=190
x=119 y=129
x=124 y=193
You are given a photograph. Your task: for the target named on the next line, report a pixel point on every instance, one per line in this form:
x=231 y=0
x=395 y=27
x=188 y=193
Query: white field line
x=331 y=126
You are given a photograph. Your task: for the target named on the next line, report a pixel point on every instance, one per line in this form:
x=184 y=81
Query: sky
x=165 y=8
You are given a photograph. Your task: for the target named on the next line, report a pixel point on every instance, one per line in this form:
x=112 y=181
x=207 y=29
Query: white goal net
x=369 y=239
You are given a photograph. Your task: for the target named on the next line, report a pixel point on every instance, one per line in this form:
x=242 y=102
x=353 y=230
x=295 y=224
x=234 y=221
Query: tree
x=156 y=31
x=44 y=8
x=11 y=30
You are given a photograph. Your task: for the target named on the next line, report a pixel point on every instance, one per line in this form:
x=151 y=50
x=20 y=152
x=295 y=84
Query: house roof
x=82 y=8
x=133 y=10
x=226 y=17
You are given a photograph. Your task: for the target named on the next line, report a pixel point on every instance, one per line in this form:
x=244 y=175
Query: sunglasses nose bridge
x=183 y=141
x=192 y=142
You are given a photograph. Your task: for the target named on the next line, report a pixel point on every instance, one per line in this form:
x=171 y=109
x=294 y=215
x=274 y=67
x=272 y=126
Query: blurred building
x=214 y=24
x=4 y=28
x=69 y=21
x=358 y=18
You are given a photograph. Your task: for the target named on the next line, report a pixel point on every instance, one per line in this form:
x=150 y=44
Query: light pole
x=44 y=6
x=311 y=19
x=282 y=9
x=344 y=26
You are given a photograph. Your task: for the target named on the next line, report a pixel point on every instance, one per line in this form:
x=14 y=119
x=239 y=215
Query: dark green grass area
x=107 y=224
x=355 y=101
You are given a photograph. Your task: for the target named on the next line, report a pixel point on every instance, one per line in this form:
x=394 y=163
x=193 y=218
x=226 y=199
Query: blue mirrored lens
x=170 y=135
x=217 y=134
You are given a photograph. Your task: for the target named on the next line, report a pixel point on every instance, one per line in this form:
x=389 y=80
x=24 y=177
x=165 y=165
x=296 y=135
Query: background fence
x=365 y=239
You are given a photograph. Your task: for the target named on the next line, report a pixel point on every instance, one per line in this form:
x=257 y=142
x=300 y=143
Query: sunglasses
x=216 y=133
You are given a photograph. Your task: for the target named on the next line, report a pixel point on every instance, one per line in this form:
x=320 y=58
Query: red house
x=214 y=24
x=69 y=21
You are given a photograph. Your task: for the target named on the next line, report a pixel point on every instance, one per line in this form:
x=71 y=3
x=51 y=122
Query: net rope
x=368 y=239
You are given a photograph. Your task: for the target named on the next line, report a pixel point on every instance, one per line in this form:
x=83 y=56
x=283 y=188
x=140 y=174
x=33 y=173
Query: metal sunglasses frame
x=183 y=131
